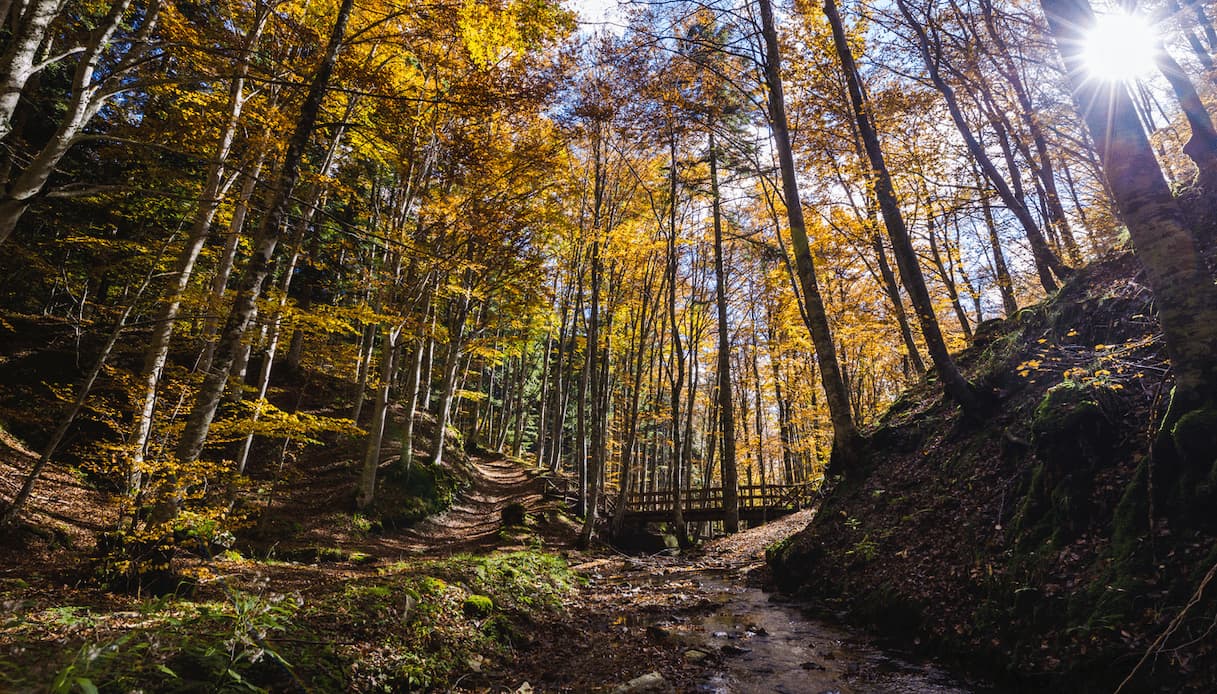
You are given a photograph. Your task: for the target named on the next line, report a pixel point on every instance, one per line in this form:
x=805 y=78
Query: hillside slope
x=1040 y=545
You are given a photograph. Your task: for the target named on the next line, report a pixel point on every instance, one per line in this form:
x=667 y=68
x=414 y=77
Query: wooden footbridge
x=757 y=504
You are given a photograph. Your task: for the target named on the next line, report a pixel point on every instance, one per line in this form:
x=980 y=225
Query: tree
x=847 y=442
x=955 y=385
x=1186 y=295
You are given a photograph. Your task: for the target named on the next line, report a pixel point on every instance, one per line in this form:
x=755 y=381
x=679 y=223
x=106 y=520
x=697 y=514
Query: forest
x=520 y=345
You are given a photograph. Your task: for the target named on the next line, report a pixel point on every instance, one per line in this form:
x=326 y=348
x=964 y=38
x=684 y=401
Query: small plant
x=866 y=549
x=361 y=523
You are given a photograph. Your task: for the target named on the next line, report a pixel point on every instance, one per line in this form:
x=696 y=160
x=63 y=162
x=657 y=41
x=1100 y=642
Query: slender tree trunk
x=452 y=360
x=676 y=372
x=1027 y=111
x=1046 y=262
x=199 y=422
x=219 y=282
x=366 y=489
x=956 y=387
x=200 y=229
x=543 y=397
x=893 y=294
x=88 y=95
x=19 y=62
x=1201 y=147
x=413 y=376
x=13 y=510
x=847 y=443
x=593 y=369
x=948 y=280
x=1004 y=285
x=726 y=408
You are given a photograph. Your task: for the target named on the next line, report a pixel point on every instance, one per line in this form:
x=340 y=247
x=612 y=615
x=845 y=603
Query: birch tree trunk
x=209 y=201
x=89 y=94
x=366 y=489
x=20 y=62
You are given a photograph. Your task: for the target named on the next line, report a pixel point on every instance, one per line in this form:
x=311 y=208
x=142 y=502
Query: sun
x=1120 y=47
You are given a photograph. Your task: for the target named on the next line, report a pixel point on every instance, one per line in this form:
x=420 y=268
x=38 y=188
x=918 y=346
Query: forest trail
x=475 y=518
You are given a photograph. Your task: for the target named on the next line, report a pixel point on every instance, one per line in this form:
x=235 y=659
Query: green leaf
x=86 y=685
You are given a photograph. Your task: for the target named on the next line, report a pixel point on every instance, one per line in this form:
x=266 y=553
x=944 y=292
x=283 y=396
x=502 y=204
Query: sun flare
x=1121 y=47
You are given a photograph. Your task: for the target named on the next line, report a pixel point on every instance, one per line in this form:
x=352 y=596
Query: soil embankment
x=1044 y=545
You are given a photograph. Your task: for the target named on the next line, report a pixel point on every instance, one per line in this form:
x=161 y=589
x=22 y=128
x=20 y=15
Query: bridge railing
x=754 y=496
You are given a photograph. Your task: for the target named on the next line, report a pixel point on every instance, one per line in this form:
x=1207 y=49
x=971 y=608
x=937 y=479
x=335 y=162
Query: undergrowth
x=414 y=626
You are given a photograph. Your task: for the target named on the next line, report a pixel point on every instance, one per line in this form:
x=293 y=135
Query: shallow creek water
x=758 y=643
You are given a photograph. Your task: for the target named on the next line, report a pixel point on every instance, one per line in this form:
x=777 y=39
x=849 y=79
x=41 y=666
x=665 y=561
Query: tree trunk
x=265 y=241
x=847 y=443
x=88 y=96
x=676 y=372
x=1201 y=147
x=1185 y=295
x=200 y=229
x=13 y=511
x=725 y=402
x=452 y=360
x=1046 y=262
x=1004 y=286
x=366 y=489
x=20 y=61
x=956 y=387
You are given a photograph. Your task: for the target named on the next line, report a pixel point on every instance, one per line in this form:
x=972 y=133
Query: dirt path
x=475 y=519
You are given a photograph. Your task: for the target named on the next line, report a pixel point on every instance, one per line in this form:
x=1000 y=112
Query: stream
x=751 y=641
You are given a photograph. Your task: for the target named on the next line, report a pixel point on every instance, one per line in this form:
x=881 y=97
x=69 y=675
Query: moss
x=1032 y=506
x=1130 y=520
x=407 y=497
x=773 y=553
x=1064 y=409
x=477 y=606
x=430 y=585
x=1195 y=436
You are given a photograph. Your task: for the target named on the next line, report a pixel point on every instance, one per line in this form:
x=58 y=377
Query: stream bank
x=703 y=623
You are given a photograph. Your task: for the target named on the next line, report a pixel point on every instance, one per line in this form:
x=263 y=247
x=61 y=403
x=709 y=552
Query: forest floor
x=346 y=609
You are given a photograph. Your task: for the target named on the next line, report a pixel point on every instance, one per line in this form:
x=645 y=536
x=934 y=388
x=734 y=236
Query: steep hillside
x=1044 y=544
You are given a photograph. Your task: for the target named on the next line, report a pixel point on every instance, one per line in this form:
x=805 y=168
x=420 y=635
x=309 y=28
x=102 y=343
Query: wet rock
x=811 y=665
x=694 y=655
x=658 y=633
x=650 y=682
x=732 y=649
x=720 y=635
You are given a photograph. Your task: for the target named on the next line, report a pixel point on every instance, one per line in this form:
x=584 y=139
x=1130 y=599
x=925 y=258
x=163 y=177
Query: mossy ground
x=1041 y=545
x=407 y=627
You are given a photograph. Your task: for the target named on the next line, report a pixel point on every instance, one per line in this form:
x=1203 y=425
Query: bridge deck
x=757 y=503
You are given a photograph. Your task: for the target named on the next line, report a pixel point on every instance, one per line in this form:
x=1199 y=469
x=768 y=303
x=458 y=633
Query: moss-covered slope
x=1039 y=545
